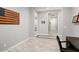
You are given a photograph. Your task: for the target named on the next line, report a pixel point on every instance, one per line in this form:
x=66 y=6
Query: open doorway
x=52 y=23
x=46 y=23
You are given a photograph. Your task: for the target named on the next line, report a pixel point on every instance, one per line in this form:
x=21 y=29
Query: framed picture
x=9 y=16
x=75 y=19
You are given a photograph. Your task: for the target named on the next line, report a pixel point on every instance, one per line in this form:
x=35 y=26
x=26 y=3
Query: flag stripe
x=9 y=17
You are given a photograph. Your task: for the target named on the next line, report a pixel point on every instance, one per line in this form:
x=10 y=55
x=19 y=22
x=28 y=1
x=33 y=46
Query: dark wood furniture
x=69 y=47
x=74 y=41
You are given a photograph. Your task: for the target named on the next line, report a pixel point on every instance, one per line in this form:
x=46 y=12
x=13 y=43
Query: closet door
x=42 y=22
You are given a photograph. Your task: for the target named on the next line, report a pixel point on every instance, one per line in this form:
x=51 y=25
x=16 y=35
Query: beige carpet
x=37 y=45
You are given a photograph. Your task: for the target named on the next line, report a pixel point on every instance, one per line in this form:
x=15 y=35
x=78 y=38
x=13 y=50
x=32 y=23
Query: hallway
x=36 y=45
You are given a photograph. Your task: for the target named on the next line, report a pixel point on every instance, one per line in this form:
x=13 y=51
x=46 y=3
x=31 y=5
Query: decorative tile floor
x=37 y=45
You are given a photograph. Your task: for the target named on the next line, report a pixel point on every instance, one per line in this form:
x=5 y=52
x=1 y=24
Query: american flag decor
x=8 y=16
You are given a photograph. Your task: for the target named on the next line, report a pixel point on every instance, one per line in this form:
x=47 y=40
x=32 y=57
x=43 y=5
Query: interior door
x=52 y=28
x=42 y=23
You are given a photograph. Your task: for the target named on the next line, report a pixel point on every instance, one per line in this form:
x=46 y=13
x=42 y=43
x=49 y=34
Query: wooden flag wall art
x=8 y=16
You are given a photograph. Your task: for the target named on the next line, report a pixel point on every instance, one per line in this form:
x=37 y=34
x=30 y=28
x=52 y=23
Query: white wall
x=67 y=21
x=75 y=27
x=31 y=22
x=60 y=22
x=12 y=34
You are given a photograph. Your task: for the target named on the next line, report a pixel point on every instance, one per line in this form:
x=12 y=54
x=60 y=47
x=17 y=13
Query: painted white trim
x=16 y=44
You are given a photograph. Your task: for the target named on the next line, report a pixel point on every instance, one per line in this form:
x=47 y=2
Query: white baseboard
x=16 y=45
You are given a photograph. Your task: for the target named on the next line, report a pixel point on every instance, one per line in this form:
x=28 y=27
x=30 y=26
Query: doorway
x=52 y=23
x=46 y=24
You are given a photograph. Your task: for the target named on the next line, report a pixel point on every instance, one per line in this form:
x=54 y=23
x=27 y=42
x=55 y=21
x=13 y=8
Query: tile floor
x=37 y=45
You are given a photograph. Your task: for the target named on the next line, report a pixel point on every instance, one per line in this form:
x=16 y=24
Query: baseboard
x=16 y=45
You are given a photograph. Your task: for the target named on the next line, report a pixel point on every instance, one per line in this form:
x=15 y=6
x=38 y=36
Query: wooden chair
x=69 y=48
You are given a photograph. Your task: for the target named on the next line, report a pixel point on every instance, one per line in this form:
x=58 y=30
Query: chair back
x=59 y=42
